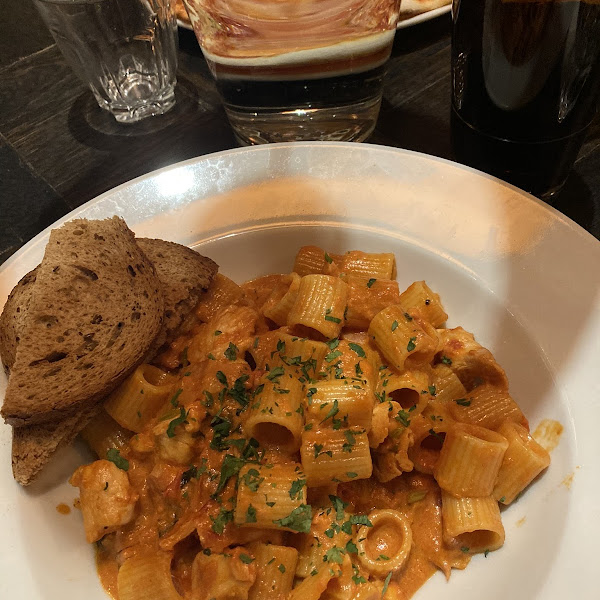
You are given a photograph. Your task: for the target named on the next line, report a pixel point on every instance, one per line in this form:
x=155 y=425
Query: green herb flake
x=217 y=332
x=334 y=555
x=246 y=558
x=298 y=520
x=328 y=258
x=174 y=399
x=351 y=474
x=446 y=360
x=221 y=378
x=275 y=373
x=231 y=352
x=296 y=489
x=219 y=523
x=357 y=349
x=463 y=402
x=432 y=390
x=411 y=344
x=394 y=325
x=386 y=583
x=464 y=549
x=371 y=282
x=176 y=421
x=416 y=496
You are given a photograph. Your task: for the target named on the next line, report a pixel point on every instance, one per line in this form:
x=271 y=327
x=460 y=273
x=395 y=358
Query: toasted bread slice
x=184 y=275
x=12 y=319
x=95 y=310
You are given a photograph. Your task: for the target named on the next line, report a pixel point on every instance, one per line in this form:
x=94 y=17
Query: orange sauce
x=63 y=509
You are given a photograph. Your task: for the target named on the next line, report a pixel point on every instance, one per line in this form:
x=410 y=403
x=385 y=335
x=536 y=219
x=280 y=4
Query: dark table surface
x=59 y=150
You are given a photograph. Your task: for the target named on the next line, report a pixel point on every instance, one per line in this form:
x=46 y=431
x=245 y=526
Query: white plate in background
x=507 y=267
x=409 y=22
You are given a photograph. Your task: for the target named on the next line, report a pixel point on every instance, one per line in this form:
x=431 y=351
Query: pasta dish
x=317 y=434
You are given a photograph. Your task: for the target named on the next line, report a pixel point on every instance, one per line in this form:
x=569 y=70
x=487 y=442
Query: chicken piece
x=106 y=497
x=472 y=363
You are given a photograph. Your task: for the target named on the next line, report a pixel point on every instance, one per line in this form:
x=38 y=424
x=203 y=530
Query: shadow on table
x=193 y=127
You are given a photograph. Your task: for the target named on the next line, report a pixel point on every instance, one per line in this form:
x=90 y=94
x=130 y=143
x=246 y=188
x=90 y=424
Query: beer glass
x=291 y=71
x=125 y=50
x=525 y=87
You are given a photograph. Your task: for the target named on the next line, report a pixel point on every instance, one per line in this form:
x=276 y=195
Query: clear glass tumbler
x=293 y=71
x=125 y=50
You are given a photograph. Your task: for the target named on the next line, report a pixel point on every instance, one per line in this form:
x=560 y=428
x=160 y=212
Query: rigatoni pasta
x=318 y=436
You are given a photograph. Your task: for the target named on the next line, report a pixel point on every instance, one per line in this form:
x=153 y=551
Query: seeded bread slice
x=184 y=275
x=12 y=319
x=95 y=310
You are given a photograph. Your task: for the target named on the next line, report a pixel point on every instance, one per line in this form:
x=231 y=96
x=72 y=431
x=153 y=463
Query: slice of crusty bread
x=95 y=310
x=34 y=445
x=12 y=319
x=184 y=275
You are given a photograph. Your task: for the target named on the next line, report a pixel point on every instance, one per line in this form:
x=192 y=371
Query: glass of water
x=125 y=50
x=293 y=71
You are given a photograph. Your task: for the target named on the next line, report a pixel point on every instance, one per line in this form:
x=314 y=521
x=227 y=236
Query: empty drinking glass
x=125 y=50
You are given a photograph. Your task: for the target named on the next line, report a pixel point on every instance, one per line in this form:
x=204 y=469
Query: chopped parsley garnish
x=464 y=549
x=386 y=583
x=402 y=418
x=251 y=514
x=221 y=378
x=411 y=344
x=446 y=360
x=176 y=421
x=328 y=258
x=416 y=496
x=334 y=410
x=252 y=479
x=351 y=474
x=224 y=517
x=246 y=558
x=328 y=317
x=334 y=555
x=231 y=352
x=463 y=402
x=407 y=317
x=339 y=505
x=318 y=448
x=298 y=520
x=281 y=567
x=350 y=441
x=174 y=401
x=230 y=467
x=358 y=349
x=296 y=489
x=394 y=325
x=371 y=282
x=432 y=390
x=275 y=373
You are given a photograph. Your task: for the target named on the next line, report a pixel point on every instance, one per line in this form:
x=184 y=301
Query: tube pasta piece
x=391 y=459
x=419 y=296
x=314 y=260
x=223 y=292
x=339 y=403
x=348 y=360
x=400 y=338
x=272 y=498
x=369 y=265
x=139 y=398
x=259 y=289
x=487 y=406
x=410 y=389
x=320 y=304
x=311 y=588
x=429 y=435
x=470 y=460
x=366 y=297
x=386 y=545
x=281 y=300
x=275 y=415
x=276 y=566
x=447 y=384
x=147 y=576
x=222 y=576
x=335 y=455
x=104 y=433
x=523 y=461
x=472 y=363
x=474 y=524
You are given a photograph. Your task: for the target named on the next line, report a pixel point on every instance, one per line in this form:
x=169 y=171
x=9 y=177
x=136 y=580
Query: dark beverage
x=525 y=87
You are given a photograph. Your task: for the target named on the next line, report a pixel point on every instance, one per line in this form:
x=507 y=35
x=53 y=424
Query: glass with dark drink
x=525 y=87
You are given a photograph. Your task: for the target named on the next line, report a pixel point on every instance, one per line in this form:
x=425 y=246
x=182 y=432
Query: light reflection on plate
x=503 y=263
